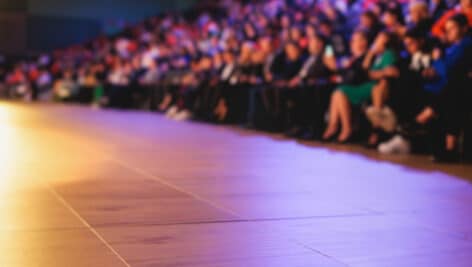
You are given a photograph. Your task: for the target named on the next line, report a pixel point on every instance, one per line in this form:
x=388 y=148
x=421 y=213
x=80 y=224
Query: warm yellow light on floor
x=7 y=150
x=3 y=113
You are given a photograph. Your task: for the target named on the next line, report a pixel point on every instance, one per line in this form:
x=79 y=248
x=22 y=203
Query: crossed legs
x=340 y=113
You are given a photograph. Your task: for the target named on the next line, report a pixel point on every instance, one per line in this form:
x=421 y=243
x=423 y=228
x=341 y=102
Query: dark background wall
x=131 y=10
x=33 y=26
x=49 y=32
x=12 y=26
x=13 y=33
x=15 y=5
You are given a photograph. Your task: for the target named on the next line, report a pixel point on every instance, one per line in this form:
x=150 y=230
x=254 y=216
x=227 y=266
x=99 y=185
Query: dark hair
x=322 y=38
x=393 y=40
x=292 y=43
x=371 y=15
x=397 y=12
x=415 y=33
x=419 y=36
x=362 y=32
x=460 y=19
x=325 y=22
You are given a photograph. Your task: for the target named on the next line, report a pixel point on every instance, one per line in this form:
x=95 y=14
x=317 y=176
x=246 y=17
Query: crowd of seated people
x=392 y=74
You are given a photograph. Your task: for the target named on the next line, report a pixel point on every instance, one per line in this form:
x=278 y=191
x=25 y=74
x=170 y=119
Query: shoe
x=396 y=145
x=183 y=115
x=348 y=140
x=331 y=139
x=171 y=112
x=388 y=120
x=308 y=134
x=293 y=132
x=329 y=134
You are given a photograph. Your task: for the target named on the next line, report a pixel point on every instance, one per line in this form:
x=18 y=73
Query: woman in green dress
x=379 y=63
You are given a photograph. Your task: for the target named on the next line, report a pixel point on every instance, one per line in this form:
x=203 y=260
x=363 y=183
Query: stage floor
x=83 y=187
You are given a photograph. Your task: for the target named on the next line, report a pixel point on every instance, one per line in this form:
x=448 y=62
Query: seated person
x=17 y=83
x=420 y=18
x=284 y=69
x=191 y=88
x=256 y=83
x=464 y=8
x=225 y=80
x=313 y=87
x=369 y=23
x=118 y=91
x=336 y=39
x=173 y=71
x=234 y=96
x=358 y=82
x=393 y=21
x=87 y=83
x=381 y=60
x=205 y=89
x=453 y=69
x=412 y=93
x=66 y=88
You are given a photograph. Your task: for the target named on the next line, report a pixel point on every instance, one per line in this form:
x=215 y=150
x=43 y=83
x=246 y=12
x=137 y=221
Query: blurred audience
x=391 y=74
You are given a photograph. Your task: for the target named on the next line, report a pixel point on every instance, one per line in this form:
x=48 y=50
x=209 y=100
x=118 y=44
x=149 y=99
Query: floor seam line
x=318 y=252
x=87 y=225
x=177 y=188
x=230 y=221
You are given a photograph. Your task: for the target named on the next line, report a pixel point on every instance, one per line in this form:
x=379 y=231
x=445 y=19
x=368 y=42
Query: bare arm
x=330 y=62
x=368 y=60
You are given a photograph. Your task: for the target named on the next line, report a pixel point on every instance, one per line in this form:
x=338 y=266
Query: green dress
x=358 y=94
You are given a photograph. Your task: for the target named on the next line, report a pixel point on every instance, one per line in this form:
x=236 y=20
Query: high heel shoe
x=345 y=140
x=329 y=137
x=349 y=140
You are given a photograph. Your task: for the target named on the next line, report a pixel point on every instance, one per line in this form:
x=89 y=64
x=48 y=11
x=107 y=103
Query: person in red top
x=465 y=8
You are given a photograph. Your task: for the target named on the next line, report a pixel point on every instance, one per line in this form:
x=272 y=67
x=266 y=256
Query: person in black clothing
x=411 y=94
x=314 y=88
x=213 y=93
x=226 y=79
x=195 y=86
x=420 y=19
x=237 y=94
x=370 y=24
x=336 y=39
x=175 y=74
x=207 y=92
x=250 y=32
x=204 y=92
x=257 y=84
x=262 y=61
x=282 y=92
x=393 y=21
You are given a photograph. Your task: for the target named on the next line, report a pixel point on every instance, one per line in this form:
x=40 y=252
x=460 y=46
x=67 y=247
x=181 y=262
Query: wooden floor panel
x=124 y=197
x=77 y=247
x=363 y=238
x=83 y=187
x=217 y=244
